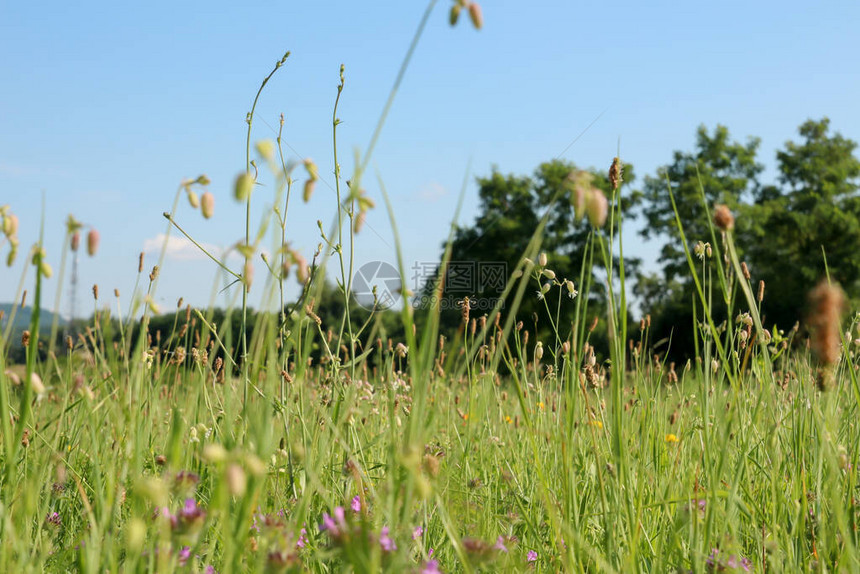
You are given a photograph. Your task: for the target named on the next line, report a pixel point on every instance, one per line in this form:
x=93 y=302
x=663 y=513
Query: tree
x=816 y=212
x=727 y=172
x=511 y=208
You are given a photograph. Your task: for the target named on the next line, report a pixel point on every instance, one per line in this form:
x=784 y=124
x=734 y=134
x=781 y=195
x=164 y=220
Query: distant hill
x=23 y=317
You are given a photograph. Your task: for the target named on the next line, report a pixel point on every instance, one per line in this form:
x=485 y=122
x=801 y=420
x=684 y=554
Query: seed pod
x=10 y=225
x=309 y=189
x=92 y=242
x=597 y=208
x=76 y=240
x=243 y=187
x=193 y=199
x=207 y=205
x=475 y=15
x=454 y=15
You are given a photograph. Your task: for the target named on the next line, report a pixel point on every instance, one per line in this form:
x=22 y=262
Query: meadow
x=286 y=444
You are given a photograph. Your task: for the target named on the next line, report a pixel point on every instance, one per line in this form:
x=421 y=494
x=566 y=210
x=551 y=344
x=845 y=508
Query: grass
x=302 y=446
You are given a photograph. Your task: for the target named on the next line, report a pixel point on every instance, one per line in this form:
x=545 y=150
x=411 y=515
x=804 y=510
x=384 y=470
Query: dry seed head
x=207 y=205
x=616 y=173
x=140 y=263
x=25 y=338
x=745 y=270
x=96 y=291
x=760 y=291
x=92 y=242
x=723 y=218
x=248 y=274
x=827 y=303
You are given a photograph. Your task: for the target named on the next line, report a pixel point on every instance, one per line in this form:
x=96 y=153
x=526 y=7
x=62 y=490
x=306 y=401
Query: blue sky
x=106 y=107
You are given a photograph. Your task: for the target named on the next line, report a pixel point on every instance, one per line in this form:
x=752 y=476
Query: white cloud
x=180 y=248
x=431 y=192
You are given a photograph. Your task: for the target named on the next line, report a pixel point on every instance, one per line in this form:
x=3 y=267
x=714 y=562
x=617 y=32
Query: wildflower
x=549 y=273
x=538 y=351
x=431 y=567
x=335 y=526
x=500 y=544
x=701 y=250
x=542 y=260
x=731 y=563
x=356 y=504
x=193 y=199
x=571 y=289
x=184 y=555
x=508 y=419
x=36 y=383
x=543 y=291
x=75 y=240
x=303 y=538
x=387 y=543
x=531 y=556
x=417 y=532
x=723 y=218
x=596 y=423
x=53 y=519
x=670 y=438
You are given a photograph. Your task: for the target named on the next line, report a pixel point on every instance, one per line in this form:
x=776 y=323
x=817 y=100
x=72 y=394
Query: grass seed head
x=723 y=218
x=826 y=305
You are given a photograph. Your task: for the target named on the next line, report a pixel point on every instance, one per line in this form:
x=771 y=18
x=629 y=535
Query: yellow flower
x=598 y=424
x=508 y=419
x=540 y=405
x=671 y=438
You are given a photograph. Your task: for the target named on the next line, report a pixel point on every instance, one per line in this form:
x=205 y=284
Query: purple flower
x=303 y=539
x=356 y=504
x=417 y=532
x=431 y=567
x=531 y=556
x=385 y=541
x=184 y=555
x=335 y=526
x=500 y=545
x=53 y=519
x=717 y=563
x=210 y=570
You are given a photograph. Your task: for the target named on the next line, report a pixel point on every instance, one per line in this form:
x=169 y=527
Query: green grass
x=188 y=449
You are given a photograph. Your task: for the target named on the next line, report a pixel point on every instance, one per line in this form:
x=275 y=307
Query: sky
x=106 y=107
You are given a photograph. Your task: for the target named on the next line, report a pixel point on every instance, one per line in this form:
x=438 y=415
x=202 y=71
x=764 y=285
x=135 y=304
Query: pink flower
x=500 y=544
x=356 y=504
x=417 y=532
x=385 y=541
x=431 y=567
x=531 y=556
x=303 y=539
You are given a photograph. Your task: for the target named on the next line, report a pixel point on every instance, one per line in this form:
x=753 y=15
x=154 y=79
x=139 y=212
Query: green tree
x=815 y=212
x=727 y=172
x=511 y=208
